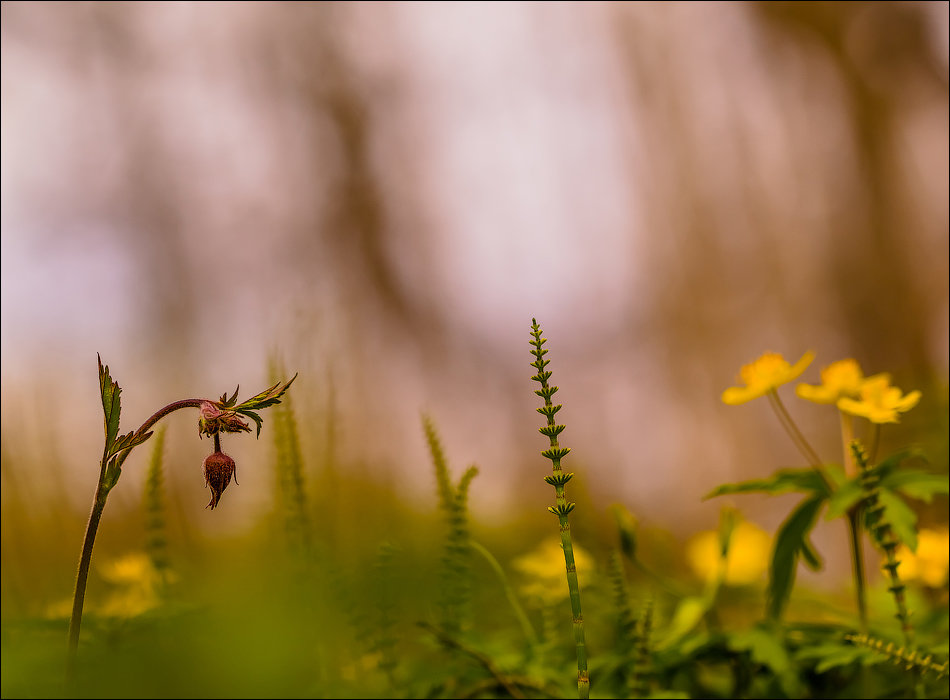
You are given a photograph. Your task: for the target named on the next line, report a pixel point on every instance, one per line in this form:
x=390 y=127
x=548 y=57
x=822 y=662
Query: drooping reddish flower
x=218 y=469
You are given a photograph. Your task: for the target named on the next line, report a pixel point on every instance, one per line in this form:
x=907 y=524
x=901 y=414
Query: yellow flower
x=879 y=401
x=545 y=574
x=841 y=379
x=930 y=563
x=137 y=586
x=764 y=375
x=746 y=562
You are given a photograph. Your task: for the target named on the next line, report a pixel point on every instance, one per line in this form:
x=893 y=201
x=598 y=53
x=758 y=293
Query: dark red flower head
x=218 y=469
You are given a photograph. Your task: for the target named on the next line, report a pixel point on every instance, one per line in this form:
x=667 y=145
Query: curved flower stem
x=857 y=564
x=98 y=505
x=847 y=435
x=526 y=626
x=855 y=517
x=796 y=435
x=875 y=443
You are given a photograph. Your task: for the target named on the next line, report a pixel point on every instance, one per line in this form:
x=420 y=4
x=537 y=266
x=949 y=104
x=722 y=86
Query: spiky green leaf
x=917 y=484
x=789 y=542
x=804 y=479
x=900 y=516
x=111 y=404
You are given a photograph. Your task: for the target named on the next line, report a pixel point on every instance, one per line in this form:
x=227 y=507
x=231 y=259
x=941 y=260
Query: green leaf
x=688 y=614
x=254 y=417
x=805 y=479
x=844 y=497
x=917 y=484
x=900 y=516
x=128 y=441
x=811 y=556
x=893 y=461
x=834 y=654
x=226 y=402
x=266 y=398
x=789 y=542
x=111 y=405
x=112 y=474
x=767 y=647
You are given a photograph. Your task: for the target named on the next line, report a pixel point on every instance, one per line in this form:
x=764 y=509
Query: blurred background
x=380 y=196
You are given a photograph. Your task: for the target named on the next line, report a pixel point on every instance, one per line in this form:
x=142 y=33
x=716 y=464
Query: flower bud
x=218 y=469
x=214 y=420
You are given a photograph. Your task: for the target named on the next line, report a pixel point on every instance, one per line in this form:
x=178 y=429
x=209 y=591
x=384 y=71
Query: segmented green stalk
x=626 y=622
x=291 y=491
x=643 y=666
x=453 y=500
x=156 y=541
x=563 y=507
x=385 y=644
x=883 y=536
x=911 y=660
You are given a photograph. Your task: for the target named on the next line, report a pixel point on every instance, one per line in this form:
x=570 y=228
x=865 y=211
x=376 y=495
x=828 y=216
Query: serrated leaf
x=254 y=417
x=900 y=516
x=111 y=403
x=128 y=441
x=266 y=398
x=917 y=484
x=229 y=402
x=804 y=479
x=844 y=497
x=789 y=541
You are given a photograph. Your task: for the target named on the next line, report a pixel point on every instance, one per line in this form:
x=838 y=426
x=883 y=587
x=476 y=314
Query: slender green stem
x=448 y=640
x=797 y=437
x=526 y=625
x=855 y=518
x=847 y=435
x=875 y=443
x=92 y=527
x=857 y=564
x=79 y=594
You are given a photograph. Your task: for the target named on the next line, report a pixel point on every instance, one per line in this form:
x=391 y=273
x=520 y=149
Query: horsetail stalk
x=909 y=659
x=562 y=508
x=883 y=536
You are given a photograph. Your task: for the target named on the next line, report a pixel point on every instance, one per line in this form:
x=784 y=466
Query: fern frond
x=910 y=659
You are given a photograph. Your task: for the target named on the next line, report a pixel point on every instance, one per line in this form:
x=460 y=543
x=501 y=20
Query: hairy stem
x=89 y=539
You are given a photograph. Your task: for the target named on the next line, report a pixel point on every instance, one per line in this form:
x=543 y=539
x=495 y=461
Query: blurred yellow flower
x=841 y=379
x=879 y=401
x=544 y=573
x=746 y=562
x=137 y=586
x=765 y=374
x=929 y=564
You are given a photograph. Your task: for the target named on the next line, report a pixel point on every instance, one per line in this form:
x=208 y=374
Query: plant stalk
x=92 y=527
x=563 y=507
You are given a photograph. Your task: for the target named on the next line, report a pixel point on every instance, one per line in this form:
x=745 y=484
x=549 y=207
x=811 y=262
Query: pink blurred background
x=383 y=195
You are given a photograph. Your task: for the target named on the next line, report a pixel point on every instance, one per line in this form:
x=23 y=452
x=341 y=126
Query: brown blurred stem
x=98 y=505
